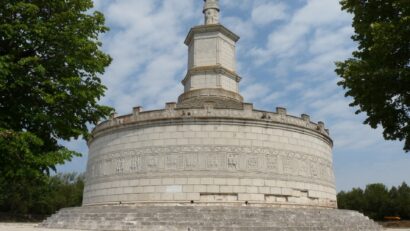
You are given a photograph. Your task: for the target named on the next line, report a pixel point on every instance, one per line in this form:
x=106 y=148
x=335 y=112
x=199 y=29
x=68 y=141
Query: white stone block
x=181 y=181
x=180 y=196
x=194 y=181
x=257 y=197
x=251 y=189
x=220 y=181
x=200 y=188
x=258 y=182
x=155 y=181
x=226 y=189
x=212 y=188
x=264 y=190
x=270 y=183
x=144 y=182
x=207 y=181
x=173 y=188
x=149 y=189
x=244 y=197
x=188 y=188
x=167 y=196
x=168 y=181
x=246 y=182
x=193 y=196
x=276 y=191
x=239 y=189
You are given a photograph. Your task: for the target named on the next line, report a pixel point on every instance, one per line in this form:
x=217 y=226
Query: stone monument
x=210 y=161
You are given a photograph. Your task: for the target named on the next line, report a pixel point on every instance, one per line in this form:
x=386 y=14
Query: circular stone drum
x=213 y=156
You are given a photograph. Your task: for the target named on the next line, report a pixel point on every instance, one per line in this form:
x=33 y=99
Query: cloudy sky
x=286 y=57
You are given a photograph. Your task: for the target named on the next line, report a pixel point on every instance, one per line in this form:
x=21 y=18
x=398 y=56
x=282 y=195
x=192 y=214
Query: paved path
x=32 y=227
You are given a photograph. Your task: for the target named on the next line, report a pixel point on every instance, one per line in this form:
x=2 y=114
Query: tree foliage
x=50 y=62
x=45 y=198
x=377 y=202
x=378 y=74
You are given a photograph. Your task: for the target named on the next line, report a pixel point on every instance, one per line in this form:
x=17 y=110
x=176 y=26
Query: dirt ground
x=26 y=227
x=396 y=224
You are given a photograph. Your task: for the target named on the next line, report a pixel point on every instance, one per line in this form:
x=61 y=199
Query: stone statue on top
x=211 y=12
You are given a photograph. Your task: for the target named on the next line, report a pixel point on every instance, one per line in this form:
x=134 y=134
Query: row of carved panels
x=229 y=149
x=239 y=160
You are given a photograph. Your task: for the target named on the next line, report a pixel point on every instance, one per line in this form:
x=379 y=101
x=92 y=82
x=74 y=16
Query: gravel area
x=33 y=227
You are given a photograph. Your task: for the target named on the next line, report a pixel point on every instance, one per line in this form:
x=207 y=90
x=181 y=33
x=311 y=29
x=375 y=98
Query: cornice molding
x=210 y=28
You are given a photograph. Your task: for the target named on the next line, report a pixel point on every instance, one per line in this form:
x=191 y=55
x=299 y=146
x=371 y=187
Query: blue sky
x=286 y=57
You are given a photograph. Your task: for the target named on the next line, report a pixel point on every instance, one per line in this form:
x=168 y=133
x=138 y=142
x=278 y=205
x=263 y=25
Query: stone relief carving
x=233 y=161
x=272 y=162
x=213 y=162
x=191 y=161
x=173 y=161
x=253 y=163
x=209 y=158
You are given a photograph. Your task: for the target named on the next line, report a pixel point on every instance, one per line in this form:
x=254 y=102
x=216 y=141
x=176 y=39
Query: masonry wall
x=210 y=161
x=211 y=80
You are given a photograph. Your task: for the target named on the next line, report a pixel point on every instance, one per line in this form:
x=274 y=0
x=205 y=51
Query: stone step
x=146 y=218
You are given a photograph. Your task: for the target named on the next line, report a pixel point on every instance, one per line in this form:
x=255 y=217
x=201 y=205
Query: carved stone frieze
x=187 y=159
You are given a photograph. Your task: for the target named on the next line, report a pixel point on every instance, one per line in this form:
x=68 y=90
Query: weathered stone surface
x=266 y=157
x=203 y=218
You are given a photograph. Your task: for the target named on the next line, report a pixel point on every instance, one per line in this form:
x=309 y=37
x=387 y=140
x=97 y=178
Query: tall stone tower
x=210 y=161
x=211 y=76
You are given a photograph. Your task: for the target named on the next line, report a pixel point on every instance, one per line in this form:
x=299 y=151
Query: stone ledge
x=216 y=69
x=211 y=28
x=210 y=92
x=173 y=115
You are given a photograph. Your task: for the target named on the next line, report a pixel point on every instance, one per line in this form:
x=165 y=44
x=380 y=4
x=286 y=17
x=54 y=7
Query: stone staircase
x=207 y=218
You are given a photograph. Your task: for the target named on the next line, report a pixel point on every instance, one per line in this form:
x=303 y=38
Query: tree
x=403 y=201
x=61 y=191
x=378 y=74
x=58 y=191
x=351 y=200
x=376 y=201
x=50 y=62
x=393 y=203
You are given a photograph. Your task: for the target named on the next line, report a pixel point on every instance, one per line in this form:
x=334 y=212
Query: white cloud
x=267 y=13
x=149 y=55
x=235 y=4
x=240 y=26
x=291 y=39
x=255 y=91
x=325 y=40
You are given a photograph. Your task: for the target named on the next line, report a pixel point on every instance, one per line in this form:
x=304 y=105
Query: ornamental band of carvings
x=229 y=159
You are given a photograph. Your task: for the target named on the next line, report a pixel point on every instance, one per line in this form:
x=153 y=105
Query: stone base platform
x=204 y=218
